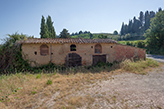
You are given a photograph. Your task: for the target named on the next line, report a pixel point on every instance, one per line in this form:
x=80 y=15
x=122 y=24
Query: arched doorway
x=72 y=60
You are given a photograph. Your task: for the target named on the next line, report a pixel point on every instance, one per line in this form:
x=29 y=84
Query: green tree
x=91 y=35
x=102 y=36
x=64 y=34
x=147 y=20
x=141 y=17
x=43 y=29
x=115 y=32
x=80 y=32
x=122 y=32
x=130 y=26
x=155 y=35
x=160 y=9
x=10 y=54
x=51 y=30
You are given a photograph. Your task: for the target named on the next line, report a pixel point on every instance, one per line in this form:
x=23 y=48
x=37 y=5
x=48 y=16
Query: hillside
x=96 y=36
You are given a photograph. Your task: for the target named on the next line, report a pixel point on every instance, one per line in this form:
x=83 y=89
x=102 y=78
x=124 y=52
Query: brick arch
x=44 y=50
x=98 y=48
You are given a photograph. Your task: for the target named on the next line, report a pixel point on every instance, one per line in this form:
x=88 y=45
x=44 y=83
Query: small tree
x=64 y=34
x=10 y=54
x=115 y=33
x=91 y=35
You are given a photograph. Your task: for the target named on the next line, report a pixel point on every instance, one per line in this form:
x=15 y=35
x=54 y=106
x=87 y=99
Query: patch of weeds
x=38 y=76
x=49 y=82
x=143 y=73
x=33 y=92
x=5 y=97
x=63 y=107
x=137 y=105
x=15 y=90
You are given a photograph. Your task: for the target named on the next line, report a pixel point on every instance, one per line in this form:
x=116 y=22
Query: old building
x=76 y=52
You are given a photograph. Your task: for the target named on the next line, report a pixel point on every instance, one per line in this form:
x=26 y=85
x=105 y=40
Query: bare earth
x=126 y=90
x=132 y=91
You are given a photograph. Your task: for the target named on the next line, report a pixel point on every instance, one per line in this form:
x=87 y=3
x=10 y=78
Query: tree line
x=138 y=26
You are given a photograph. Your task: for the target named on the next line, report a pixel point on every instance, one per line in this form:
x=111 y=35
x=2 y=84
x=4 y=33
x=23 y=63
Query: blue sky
x=24 y=16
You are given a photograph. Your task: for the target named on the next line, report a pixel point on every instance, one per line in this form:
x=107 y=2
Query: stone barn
x=76 y=51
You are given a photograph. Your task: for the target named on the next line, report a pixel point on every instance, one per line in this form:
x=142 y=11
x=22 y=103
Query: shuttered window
x=44 y=50
x=98 y=48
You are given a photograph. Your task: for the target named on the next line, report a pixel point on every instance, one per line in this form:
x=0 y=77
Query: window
x=44 y=50
x=98 y=48
x=35 y=53
x=73 y=47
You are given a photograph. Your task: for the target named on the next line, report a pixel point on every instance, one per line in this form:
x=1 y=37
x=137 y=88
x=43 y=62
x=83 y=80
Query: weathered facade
x=76 y=52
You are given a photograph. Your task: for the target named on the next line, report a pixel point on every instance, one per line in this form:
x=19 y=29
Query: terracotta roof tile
x=66 y=40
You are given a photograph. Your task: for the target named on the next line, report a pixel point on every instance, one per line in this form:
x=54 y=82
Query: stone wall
x=128 y=52
x=58 y=53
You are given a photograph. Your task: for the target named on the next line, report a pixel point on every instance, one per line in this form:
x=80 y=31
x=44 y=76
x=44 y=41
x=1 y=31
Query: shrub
x=49 y=82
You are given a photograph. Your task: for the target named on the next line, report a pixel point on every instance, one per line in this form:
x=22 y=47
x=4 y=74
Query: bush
x=49 y=82
x=10 y=55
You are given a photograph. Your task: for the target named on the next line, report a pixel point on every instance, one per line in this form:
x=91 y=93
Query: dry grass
x=138 y=67
x=36 y=90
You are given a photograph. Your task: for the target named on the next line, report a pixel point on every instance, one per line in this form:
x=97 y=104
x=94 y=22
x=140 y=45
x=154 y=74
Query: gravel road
x=158 y=58
x=128 y=90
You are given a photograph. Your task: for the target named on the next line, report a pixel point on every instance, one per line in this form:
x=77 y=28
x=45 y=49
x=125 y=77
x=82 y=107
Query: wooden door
x=99 y=58
x=72 y=60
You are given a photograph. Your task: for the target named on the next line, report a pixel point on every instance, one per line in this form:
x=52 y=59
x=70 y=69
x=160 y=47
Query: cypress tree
x=141 y=17
x=152 y=14
x=51 y=30
x=122 y=29
x=130 y=26
x=147 y=20
x=43 y=29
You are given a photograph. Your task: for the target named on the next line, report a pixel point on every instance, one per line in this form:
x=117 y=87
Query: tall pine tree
x=43 y=29
x=51 y=30
x=147 y=20
x=122 y=29
x=130 y=26
x=141 y=17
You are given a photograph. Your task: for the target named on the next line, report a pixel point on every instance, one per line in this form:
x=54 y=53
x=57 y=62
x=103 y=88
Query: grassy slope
x=57 y=90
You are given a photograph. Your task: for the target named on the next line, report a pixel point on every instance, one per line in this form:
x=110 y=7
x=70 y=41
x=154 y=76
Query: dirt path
x=128 y=90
